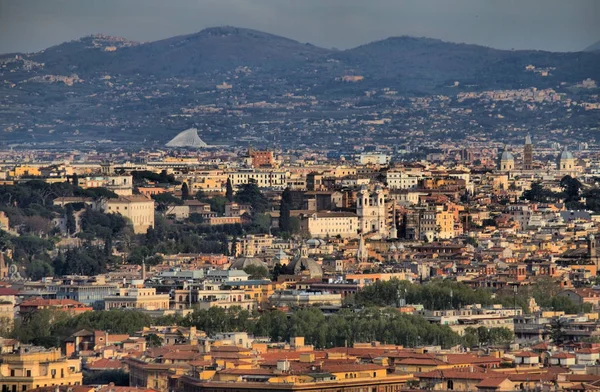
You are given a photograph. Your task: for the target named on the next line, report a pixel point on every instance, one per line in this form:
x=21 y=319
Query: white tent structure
x=188 y=138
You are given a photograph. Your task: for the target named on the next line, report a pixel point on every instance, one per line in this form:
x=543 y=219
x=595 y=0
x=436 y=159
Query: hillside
x=238 y=84
x=210 y=50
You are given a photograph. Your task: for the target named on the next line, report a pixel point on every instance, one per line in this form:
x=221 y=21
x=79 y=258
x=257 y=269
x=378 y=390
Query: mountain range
x=419 y=64
x=97 y=69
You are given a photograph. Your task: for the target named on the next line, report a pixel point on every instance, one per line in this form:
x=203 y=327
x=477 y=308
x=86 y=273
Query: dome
x=566 y=154
x=244 y=262
x=301 y=264
x=313 y=242
x=507 y=156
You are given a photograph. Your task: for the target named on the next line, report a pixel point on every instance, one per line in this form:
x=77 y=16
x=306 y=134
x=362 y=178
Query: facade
x=121 y=185
x=371 y=211
x=291 y=298
x=401 y=180
x=88 y=294
x=330 y=224
x=137 y=298
x=263 y=178
x=262 y=158
x=138 y=209
x=36 y=367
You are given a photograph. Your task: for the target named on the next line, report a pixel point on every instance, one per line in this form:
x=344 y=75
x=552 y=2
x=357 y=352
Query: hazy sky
x=560 y=25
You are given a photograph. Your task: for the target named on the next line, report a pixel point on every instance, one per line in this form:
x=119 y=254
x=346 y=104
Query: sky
x=556 y=25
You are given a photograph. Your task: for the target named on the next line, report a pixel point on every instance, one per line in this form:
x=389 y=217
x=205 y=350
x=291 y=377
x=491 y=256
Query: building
x=566 y=162
x=507 y=161
x=36 y=367
x=138 y=209
x=67 y=305
x=290 y=298
x=528 y=154
x=262 y=178
x=371 y=211
x=88 y=294
x=261 y=158
x=121 y=185
x=329 y=224
x=377 y=158
x=401 y=180
x=137 y=298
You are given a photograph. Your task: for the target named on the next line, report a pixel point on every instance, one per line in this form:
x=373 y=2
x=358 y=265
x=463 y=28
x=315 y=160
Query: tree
x=154 y=340
x=557 y=330
x=75 y=180
x=284 y=211
x=256 y=272
x=70 y=220
x=250 y=194
x=166 y=202
x=539 y=194
x=229 y=190
x=571 y=188
x=185 y=191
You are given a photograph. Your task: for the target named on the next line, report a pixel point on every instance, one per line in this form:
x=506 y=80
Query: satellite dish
x=13 y=269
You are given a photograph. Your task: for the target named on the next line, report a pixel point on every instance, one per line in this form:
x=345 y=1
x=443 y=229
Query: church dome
x=301 y=264
x=507 y=156
x=566 y=154
x=244 y=262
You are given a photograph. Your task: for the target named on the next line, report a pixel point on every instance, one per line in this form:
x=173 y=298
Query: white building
x=332 y=224
x=263 y=178
x=401 y=180
x=371 y=211
x=137 y=208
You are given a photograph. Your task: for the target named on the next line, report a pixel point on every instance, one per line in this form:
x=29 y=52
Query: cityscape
x=235 y=211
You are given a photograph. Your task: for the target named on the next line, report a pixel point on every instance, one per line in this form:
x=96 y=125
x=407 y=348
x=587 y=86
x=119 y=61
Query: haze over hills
x=593 y=47
x=99 y=85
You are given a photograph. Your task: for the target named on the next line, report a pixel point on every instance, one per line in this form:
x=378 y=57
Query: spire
x=362 y=254
x=528 y=139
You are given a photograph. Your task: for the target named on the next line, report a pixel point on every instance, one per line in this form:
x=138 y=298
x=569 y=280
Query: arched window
x=450 y=385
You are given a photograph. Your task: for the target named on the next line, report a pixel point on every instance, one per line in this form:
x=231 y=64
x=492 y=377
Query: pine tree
x=75 y=180
x=71 y=225
x=108 y=246
x=185 y=191
x=229 y=191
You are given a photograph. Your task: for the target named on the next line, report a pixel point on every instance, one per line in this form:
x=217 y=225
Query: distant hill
x=429 y=64
x=593 y=47
x=237 y=84
x=210 y=50
x=419 y=65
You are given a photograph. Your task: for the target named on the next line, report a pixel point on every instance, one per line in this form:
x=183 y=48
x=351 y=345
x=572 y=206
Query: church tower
x=528 y=154
x=370 y=208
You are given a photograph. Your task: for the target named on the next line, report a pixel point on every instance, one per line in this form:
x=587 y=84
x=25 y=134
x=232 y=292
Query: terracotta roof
x=526 y=354
x=491 y=382
x=8 y=291
x=421 y=361
x=103 y=364
x=563 y=355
